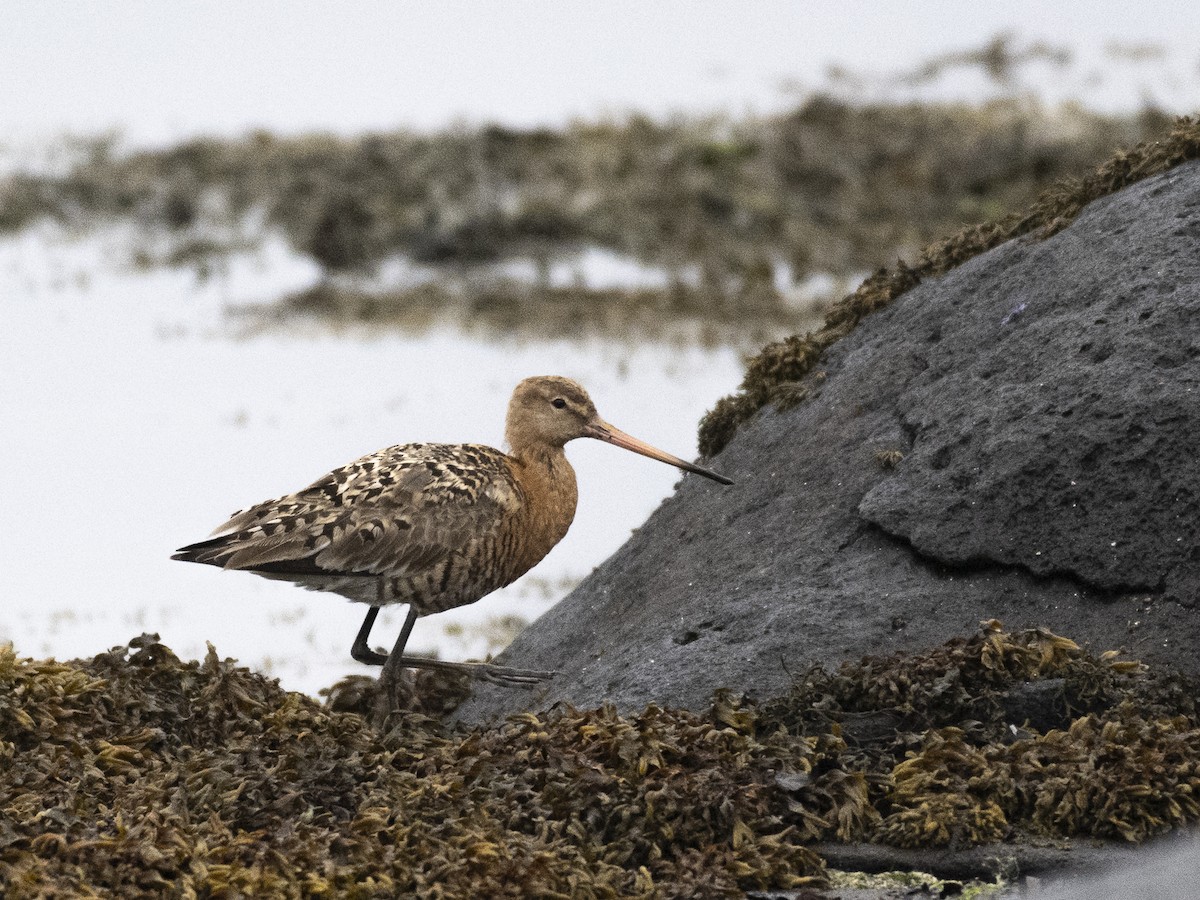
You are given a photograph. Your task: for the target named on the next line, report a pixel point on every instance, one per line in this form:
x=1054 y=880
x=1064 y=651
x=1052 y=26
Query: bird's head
x=548 y=411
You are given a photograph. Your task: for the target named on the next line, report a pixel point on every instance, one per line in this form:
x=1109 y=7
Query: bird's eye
x=558 y=402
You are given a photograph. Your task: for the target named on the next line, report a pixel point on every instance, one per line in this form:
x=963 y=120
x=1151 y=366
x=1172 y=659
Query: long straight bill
x=602 y=431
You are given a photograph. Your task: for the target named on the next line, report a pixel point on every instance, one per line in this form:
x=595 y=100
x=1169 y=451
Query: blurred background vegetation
x=747 y=225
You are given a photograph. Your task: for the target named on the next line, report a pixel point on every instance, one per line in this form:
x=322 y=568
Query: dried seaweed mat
x=136 y=774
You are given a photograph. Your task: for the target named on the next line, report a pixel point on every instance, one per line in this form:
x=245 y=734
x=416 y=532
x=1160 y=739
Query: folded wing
x=399 y=511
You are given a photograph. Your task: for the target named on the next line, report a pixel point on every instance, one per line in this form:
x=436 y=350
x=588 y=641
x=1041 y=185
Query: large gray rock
x=1046 y=399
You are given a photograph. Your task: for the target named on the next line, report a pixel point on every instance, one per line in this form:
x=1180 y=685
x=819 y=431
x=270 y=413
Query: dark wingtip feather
x=201 y=552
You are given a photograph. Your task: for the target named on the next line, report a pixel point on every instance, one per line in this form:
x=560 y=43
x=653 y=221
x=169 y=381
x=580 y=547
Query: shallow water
x=135 y=420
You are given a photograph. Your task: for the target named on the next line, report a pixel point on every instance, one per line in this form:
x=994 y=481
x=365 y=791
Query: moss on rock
x=772 y=376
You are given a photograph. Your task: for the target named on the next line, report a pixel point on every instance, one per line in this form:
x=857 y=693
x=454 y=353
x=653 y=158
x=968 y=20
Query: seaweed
x=734 y=215
x=137 y=774
x=679 y=312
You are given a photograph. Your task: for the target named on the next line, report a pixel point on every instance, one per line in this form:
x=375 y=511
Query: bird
x=430 y=525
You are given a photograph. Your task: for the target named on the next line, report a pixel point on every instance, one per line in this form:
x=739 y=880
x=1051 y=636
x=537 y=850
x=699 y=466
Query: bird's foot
x=482 y=671
x=367 y=656
x=508 y=675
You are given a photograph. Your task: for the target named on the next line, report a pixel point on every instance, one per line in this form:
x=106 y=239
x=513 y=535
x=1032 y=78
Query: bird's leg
x=361 y=651
x=396 y=661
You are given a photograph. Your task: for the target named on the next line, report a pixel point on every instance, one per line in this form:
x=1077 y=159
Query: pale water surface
x=133 y=422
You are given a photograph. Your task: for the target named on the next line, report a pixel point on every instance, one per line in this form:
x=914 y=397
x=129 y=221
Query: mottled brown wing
x=397 y=511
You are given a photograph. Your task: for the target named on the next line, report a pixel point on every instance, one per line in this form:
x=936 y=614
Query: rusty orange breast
x=547 y=482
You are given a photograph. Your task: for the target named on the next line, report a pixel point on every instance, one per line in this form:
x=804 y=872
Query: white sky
x=162 y=70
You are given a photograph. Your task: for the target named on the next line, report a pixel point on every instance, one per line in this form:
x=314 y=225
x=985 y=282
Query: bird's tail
x=213 y=552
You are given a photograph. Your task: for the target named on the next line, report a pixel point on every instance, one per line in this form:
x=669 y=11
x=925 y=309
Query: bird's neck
x=549 y=481
x=544 y=462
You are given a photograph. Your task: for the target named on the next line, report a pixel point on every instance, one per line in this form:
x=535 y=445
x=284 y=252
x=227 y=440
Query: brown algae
x=135 y=773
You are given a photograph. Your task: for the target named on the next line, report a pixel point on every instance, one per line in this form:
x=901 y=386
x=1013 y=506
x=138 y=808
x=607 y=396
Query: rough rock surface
x=1045 y=398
